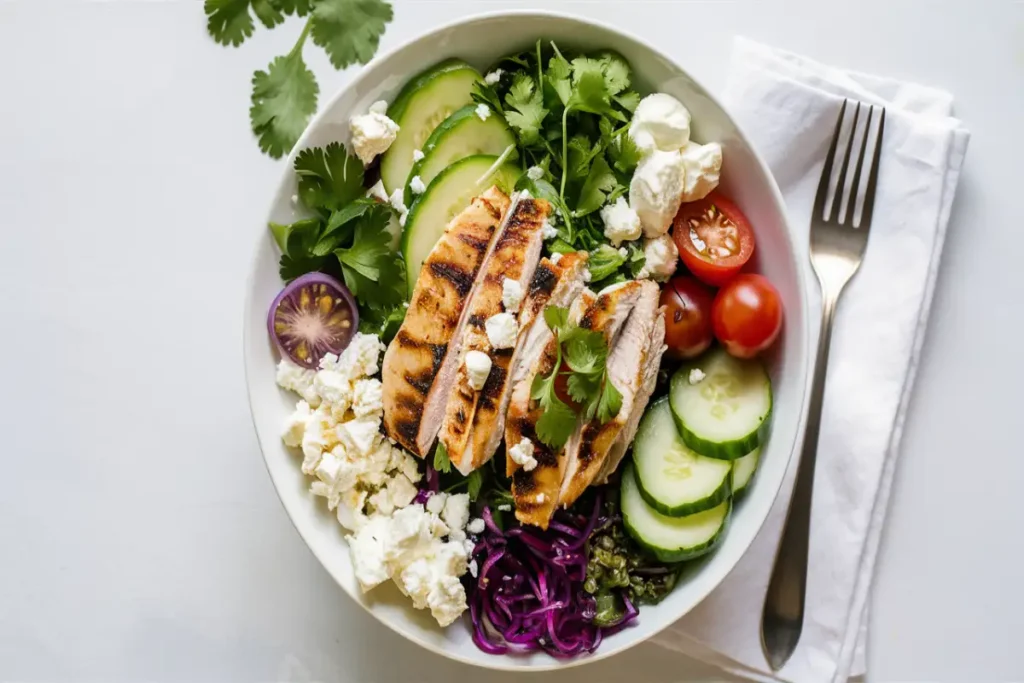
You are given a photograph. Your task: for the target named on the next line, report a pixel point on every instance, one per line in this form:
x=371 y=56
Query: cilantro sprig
x=350 y=236
x=581 y=356
x=284 y=96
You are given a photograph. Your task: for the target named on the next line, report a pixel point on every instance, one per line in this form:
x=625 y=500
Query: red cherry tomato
x=714 y=238
x=747 y=315
x=687 y=303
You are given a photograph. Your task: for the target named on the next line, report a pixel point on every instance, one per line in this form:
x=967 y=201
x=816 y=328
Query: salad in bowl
x=527 y=347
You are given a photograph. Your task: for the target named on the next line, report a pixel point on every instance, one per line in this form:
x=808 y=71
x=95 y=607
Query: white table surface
x=140 y=538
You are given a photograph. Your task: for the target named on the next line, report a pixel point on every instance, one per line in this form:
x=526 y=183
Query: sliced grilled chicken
x=652 y=361
x=536 y=492
x=515 y=256
x=419 y=365
x=627 y=363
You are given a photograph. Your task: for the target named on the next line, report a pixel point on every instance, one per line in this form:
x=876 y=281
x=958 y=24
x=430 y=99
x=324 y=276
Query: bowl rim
x=552 y=664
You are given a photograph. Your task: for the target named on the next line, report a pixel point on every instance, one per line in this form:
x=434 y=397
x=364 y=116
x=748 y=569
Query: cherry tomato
x=714 y=238
x=562 y=386
x=747 y=315
x=687 y=303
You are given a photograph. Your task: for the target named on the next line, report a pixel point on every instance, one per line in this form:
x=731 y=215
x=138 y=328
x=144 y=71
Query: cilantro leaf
x=616 y=72
x=442 y=463
x=585 y=351
x=558 y=76
x=625 y=154
x=628 y=100
x=527 y=110
x=583 y=388
x=340 y=225
x=604 y=261
x=298 y=7
x=590 y=94
x=283 y=98
x=600 y=183
x=228 y=21
x=267 y=12
x=556 y=318
x=474 y=482
x=556 y=424
x=329 y=177
x=350 y=30
x=371 y=250
x=581 y=152
x=382 y=321
x=610 y=402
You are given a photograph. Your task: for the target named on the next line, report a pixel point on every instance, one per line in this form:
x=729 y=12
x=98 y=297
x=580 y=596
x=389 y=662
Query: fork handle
x=783 y=616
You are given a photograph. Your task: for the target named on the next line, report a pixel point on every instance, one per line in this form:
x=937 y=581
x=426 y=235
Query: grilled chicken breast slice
x=419 y=364
x=627 y=363
x=652 y=362
x=515 y=255
x=536 y=491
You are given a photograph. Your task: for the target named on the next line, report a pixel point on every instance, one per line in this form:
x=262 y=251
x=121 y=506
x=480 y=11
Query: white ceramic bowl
x=481 y=40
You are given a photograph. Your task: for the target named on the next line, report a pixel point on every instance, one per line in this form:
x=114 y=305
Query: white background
x=140 y=538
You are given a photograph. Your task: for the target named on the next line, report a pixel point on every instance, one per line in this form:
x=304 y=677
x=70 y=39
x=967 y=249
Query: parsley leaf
x=340 y=226
x=442 y=463
x=600 y=183
x=350 y=30
x=283 y=98
x=527 y=110
x=590 y=94
x=329 y=177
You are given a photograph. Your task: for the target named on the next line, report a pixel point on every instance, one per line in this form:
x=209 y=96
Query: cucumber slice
x=460 y=135
x=448 y=194
x=670 y=539
x=424 y=102
x=728 y=413
x=743 y=471
x=674 y=480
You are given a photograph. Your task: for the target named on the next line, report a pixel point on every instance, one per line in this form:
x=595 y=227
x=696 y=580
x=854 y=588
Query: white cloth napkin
x=788 y=105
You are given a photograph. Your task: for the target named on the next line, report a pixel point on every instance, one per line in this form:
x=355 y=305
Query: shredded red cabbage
x=528 y=594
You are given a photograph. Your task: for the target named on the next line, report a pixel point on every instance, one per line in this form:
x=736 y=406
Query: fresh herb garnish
x=585 y=354
x=441 y=461
x=284 y=96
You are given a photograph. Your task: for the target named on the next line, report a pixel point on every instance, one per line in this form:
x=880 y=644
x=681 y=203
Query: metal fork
x=837 y=247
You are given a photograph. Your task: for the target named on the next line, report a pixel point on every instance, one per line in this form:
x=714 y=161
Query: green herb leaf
x=616 y=72
x=610 y=403
x=604 y=261
x=297 y=7
x=585 y=351
x=350 y=30
x=590 y=93
x=556 y=318
x=624 y=153
x=527 y=110
x=283 y=98
x=228 y=21
x=340 y=226
x=601 y=182
x=267 y=12
x=441 y=461
x=628 y=100
x=370 y=254
x=474 y=482
x=329 y=177
x=559 y=75
x=556 y=424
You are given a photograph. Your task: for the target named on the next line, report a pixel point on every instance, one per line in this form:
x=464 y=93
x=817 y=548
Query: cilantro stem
x=565 y=151
x=300 y=43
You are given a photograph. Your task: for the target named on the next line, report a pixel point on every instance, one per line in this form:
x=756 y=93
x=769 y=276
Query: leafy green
x=474 y=482
x=373 y=271
x=600 y=184
x=604 y=261
x=624 y=153
x=442 y=463
x=329 y=177
x=228 y=21
x=350 y=30
x=526 y=108
x=283 y=98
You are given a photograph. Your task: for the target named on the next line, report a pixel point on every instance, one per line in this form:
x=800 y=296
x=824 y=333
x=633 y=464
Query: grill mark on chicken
x=408 y=429
x=491 y=208
x=421 y=382
x=476 y=321
x=460 y=279
x=543 y=281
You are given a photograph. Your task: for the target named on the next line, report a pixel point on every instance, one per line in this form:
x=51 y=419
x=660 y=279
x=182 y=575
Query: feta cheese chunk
x=511 y=295
x=360 y=358
x=360 y=434
x=334 y=389
x=367 y=397
x=660 y=122
x=621 y=222
x=702 y=165
x=435 y=503
x=416 y=185
x=418 y=155
x=522 y=455
x=535 y=173
x=547 y=230
x=655 y=191
x=298 y=379
x=483 y=112
x=456 y=511
x=372 y=133
x=502 y=330
x=478 y=367
x=493 y=77
x=367 y=548
x=696 y=376
x=555 y=258
x=661 y=258
x=378 y=192
x=397 y=201
x=476 y=526
x=295 y=425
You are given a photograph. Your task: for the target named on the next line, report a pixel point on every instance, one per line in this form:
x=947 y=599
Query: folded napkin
x=788 y=106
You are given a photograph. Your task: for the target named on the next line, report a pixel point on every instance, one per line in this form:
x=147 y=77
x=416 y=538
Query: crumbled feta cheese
x=555 y=258
x=511 y=295
x=409 y=467
x=476 y=526
x=474 y=570
x=381 y=502
x=587 y=277
x=547 y=230
x=378 y=192
x=493 y=77
x=505 y=507
x=660 y=122
x=295 y=425
x=360 y=434
x=535 y=173
x=295 y=199
x=502 y=330
x=367 y=547
x=623 y=252
x=702 y=165
x=478 y=367
x=522 y=455
x=298 y=379
x=350 y=509
x=416 y=185
x=372 y=133
x=456 y=511
x=327 y=469
x=435 y=503
x=378 y=107
x=367 y=397
x=334 y=389
x=360 y=358
x=418 y=155
x=661 y=258
x=525 y=194
x=401 y=221
x=397 y=201
x=621 y=223
x=401 y=490
x=655 y=191
x=696 y=376
x=483 y=112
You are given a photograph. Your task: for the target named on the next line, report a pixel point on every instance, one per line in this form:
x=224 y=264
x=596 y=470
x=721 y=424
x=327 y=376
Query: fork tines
x=842 y=210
